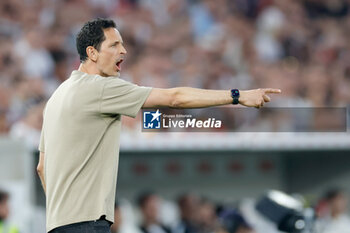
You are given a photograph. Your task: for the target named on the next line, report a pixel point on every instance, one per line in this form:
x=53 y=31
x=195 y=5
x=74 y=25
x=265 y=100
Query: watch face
x=235 y=96
x=235 y=92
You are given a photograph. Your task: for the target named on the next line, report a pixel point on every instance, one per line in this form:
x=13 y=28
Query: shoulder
x=345 y=218
x=115 y=83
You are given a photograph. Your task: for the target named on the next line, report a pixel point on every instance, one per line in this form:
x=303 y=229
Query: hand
x=257 y=97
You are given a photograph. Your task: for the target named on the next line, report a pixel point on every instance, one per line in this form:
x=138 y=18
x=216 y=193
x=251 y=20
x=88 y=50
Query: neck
x=88 y=67
x=149 y=222
x=335 y=214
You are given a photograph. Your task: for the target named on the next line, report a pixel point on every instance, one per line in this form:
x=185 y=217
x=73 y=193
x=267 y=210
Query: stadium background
x=301 y=47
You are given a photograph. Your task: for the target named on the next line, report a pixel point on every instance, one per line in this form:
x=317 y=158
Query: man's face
x=190 y=207
x=111 y=53
x=150 y=209
x=4 y=209
x=339 y=204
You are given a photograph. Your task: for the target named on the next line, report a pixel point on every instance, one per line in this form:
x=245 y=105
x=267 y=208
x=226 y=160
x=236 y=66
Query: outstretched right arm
x=187 y=97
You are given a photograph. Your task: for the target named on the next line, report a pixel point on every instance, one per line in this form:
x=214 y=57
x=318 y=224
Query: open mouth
x=118 y=63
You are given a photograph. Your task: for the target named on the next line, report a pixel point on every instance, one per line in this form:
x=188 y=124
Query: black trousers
x=98 y=226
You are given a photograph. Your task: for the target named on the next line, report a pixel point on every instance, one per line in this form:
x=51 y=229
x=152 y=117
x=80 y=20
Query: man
x=188 y=204
x=115 y=227
x=4 y=213
x=232 y=221
x=79 y=144
x=120 y=224
x=149 y=205
x=336 y=220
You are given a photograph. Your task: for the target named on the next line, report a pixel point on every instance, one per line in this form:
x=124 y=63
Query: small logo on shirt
x=151 y=120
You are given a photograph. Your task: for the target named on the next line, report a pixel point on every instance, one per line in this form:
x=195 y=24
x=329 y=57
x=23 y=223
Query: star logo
x=156 y=115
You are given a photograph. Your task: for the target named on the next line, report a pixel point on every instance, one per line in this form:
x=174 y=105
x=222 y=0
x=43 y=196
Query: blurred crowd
x=200 y=215
x=191 y=213
x=195 y=215
x=300 y=47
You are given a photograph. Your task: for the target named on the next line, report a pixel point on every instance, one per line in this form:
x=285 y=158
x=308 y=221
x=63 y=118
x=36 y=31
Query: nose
x=123 y=51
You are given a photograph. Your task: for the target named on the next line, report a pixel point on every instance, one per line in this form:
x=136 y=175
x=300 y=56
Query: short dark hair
x=3 y=195
x=91 y=34
x=182 y=199
x=144 y=197
x=332 y=193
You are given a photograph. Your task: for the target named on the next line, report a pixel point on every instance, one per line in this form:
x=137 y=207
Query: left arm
x=40 y=170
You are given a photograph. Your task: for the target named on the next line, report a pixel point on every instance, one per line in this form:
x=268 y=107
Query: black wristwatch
x=235 y=96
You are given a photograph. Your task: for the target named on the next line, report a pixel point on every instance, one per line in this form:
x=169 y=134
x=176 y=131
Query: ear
x=92 y=53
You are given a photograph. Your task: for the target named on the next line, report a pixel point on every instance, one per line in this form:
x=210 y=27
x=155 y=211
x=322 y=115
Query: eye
x=114 y=44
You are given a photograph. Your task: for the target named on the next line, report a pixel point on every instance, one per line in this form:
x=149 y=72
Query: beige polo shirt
x=80 y=139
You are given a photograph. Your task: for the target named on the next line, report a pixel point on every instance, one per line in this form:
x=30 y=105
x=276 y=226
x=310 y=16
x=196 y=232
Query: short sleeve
x=42 y=141
x=122 y=97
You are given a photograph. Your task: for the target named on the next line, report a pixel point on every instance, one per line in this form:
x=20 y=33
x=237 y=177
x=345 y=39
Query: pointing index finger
x=272 y=90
